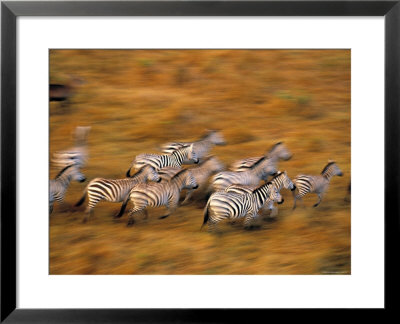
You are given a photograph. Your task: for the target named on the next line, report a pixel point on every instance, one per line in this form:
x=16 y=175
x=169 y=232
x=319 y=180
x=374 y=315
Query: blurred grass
x=136 y=100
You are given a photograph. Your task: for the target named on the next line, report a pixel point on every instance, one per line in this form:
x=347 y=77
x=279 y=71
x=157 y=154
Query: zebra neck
x=277 y=183
x=65 y=179
x=180 y=155
x=327 y=175
x=178 y=182
x=261 y=194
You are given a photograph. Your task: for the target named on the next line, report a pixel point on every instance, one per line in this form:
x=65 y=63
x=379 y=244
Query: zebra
x=315 y=184
x=281 y=180
x=258 y=171
x=202 y=146
x=59 y=185
x=201 y=173
x=114 y=190
x=158 y=161
x=158 y=194
x=78 y=154
x=231 y=205
x=277 y=152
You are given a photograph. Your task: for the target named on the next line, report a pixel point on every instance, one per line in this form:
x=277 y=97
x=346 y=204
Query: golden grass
x=136 y=100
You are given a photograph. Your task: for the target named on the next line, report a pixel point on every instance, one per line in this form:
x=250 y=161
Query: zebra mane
x=140 y=171
x=254 y=164
x=180 y=172
x=208 y=158
x=274 y=147
x=264 y=185
x=327 y=166
x=207 y=134
x=63 y=170
x=277 y=175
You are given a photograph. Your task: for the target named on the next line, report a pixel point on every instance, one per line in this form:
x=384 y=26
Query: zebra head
x=279 y=152
x=192 y=154
x=285 y=180
x=213 y=164
x=331 y=169
x=276 y=196
x=215 y=137
x=72 y=172
x=190 y=181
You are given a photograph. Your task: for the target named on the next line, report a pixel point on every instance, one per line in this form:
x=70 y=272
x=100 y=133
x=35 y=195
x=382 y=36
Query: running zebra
x=231 y=205
x=281 y=180
x=59 y=185
x=168 y=172
x=315 y=184
x=78 y=154
x=277 y=152
x=114 y=190
x=158 y=161
x=202 y=146
x=158 y=194
x=258 y=171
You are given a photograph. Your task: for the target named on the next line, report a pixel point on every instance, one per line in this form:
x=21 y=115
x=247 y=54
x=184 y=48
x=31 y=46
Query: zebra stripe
x=277 y=152
x=259 y=171
x=114 y=190
x=59 y=185
x=158 y=194
x=315 y=184
x=158 y=161
x=229 y=205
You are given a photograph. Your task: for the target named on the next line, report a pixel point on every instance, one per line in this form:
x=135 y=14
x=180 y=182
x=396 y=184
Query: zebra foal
x=114 y=190
x=59 y=185
x=158 y=194
x=315 y=184
x=159 y=161
x=231 y=205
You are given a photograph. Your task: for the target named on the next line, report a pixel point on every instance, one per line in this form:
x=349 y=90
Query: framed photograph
x=161 y=159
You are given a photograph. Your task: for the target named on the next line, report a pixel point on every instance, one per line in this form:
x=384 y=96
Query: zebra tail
x=80 y=202
x=123 y=207
x=206 y=216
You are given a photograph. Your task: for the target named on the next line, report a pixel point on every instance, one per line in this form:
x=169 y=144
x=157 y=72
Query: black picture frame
x=10 y=10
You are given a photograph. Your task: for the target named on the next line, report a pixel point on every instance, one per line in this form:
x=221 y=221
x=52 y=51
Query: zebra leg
x=51 y=208
x=171 y=207
x=88 y=213
x=131 y=220
x=274 y=212
x=248 y=221
x=319 y=200
x=145 y=214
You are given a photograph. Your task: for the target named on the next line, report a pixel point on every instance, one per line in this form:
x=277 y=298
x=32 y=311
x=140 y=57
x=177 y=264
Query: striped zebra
x=281 y=180
x=231 y=205
x=258 y=171
x=158 y=194
x=78 y=154
x=59 y=185
x=201 y=173
x=277 y=152
x=315 y=184
x=158 y=161
x=201 y=147
x=114 y=190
